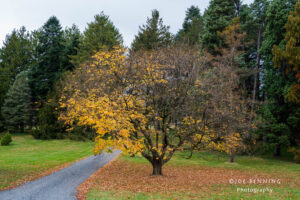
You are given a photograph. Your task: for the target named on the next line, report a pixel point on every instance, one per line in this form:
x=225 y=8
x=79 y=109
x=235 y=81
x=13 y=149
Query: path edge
x=34 y=177
x=83 y=188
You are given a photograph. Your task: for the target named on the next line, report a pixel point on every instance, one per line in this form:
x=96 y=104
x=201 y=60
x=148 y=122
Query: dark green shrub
x=82 y=133
x=48 y=125
x=6 y=139
x=296 y=152
x=35 y=133
x=47 y=132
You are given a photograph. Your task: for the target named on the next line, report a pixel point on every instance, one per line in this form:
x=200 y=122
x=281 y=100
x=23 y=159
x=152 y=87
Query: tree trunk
x=256 y=76
x=157 y=167
x=237 y=7
x=277 y=151
x=264 y=139
x=231 y=156
x=22 y=128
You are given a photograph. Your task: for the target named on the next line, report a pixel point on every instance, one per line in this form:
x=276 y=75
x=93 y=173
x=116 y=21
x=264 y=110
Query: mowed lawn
x=27 y=159
x=204 y=176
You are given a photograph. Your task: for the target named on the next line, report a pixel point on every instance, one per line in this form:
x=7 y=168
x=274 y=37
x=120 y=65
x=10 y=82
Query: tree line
x=251 y=55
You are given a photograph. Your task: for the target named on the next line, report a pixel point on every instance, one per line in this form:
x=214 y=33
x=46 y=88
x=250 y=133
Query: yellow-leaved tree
x=152 y=103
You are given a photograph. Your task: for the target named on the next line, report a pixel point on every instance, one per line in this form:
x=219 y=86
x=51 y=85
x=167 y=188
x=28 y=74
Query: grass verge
x=26 y=159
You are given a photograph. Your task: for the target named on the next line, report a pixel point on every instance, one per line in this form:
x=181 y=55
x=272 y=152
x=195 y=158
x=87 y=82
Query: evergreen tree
x=15 y=56
x=259 y=8
x=49 y=51
x=153 y=34
x=17 y=105
x=101 y=33
x=276 y=133
x=48 y=125
x=71 y=44
x=276 y=17
x=192 y=26
x=253 y=22
x=217 y=16
x=289 y=57
x=288 y=60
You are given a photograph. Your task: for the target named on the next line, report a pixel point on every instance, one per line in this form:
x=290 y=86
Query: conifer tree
x=276 y=18
x=217 y=16
x=253 y=22
x=192 y=26
x=17 y=105
x=71 y=44
x=49 y=61
x=153 y=34
x=15 y=56
x=100 y=34
x=276 y=112
x=288 y=60
x=289 y=57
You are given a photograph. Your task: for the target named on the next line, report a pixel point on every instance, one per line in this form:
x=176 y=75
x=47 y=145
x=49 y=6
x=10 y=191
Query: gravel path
x=60 y=185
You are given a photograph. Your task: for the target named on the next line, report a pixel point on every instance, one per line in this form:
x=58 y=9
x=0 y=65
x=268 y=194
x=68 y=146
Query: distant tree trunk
x=277 y=151
x=237 y=4
x=22 y=127
x=157 y=167
x=231 y=156
x=256 y=76
x=264 y=139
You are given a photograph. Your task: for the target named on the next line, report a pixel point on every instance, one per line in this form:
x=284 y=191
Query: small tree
x=6 y=139
x=17 y=105
x=231 y=107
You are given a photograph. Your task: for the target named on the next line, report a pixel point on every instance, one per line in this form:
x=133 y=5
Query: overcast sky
x=127 y=15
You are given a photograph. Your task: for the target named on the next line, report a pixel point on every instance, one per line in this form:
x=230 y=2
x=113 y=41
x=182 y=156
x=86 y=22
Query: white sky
x=127 y=15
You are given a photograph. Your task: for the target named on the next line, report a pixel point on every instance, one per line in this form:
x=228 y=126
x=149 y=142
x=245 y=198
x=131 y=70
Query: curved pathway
x=60 y=185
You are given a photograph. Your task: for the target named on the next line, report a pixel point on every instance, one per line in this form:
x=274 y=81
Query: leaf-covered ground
x=203 y=177
x=26 y=159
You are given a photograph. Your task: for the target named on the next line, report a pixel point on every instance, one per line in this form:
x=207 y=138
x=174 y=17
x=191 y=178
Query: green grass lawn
x=285 y=170
x=26 y=157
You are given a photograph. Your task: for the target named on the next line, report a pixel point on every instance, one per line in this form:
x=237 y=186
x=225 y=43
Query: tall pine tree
x=217 y=16
x=153 y=34
x=71 y=44
x=100 y=34
x=15 y=56
x=192 y=27
x=50 y=52
x=253 y=22
x=275 y=129
x=288 y=59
